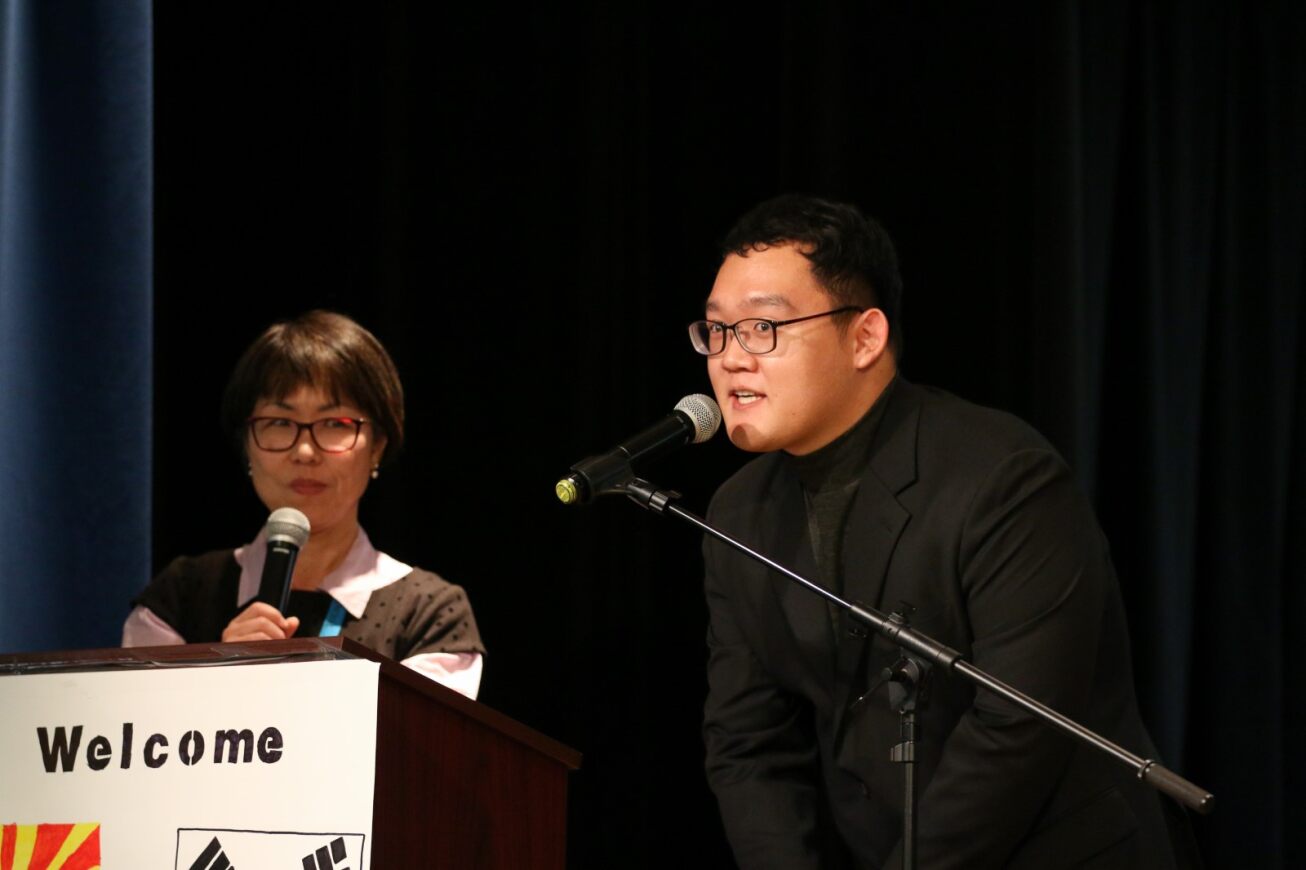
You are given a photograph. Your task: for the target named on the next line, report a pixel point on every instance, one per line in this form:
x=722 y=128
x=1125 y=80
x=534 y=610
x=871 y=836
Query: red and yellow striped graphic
x=50 y=847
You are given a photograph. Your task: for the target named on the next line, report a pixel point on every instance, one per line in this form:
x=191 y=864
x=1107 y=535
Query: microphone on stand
x=287 y=531
x=694 y=419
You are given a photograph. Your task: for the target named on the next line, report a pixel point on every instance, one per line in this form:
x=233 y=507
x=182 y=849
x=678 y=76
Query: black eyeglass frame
x=300 y=427
x=775 y=326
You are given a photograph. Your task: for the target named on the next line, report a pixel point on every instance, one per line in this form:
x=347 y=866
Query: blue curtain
x=75 y=318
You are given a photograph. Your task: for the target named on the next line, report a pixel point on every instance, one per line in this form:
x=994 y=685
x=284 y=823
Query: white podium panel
x=238 y=766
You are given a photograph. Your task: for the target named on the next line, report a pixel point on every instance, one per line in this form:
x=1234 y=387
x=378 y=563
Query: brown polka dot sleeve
x=419 y=613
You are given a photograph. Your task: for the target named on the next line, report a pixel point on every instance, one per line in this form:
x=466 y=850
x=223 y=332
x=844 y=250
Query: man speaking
x=887 y=493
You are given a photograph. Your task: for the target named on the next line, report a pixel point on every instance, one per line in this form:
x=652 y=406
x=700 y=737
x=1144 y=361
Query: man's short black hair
x=851 y=255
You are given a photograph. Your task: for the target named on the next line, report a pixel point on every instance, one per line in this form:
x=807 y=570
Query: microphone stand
x=908 y=690
x=908 y=677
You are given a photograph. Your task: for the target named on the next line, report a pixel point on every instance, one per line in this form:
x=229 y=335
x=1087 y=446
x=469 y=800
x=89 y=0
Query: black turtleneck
x=829 y=478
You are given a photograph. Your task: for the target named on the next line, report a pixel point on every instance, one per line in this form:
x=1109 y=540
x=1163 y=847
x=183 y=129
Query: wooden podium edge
x=487 y=716
x=272 y=651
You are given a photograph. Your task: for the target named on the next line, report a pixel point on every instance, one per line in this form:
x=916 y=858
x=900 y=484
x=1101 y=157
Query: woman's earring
x=376 y=472
x=249 y=469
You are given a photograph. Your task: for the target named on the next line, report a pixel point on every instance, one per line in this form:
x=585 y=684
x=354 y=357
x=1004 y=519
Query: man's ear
x=870 y=333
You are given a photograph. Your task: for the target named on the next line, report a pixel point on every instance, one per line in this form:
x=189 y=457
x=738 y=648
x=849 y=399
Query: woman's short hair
x=320 y=349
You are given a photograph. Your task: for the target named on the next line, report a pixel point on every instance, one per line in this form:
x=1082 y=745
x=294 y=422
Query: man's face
x=796 y=398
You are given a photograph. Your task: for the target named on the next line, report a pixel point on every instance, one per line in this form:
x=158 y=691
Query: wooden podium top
x=274 y=651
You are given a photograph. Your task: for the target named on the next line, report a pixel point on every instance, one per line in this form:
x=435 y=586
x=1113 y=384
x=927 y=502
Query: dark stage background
x=1099 y=208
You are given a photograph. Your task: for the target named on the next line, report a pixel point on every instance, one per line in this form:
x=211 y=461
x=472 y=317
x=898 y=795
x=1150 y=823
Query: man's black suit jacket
x=968 y=515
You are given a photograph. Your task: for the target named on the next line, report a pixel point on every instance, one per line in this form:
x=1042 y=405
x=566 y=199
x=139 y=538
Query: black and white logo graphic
x=329 y=857
x=212 y=858
x=230 y=849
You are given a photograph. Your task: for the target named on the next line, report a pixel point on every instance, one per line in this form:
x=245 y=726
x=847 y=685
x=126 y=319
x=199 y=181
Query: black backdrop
x=1099 y=208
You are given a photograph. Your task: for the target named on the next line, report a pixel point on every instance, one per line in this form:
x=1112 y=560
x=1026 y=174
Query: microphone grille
x=704 y=413
x=288 y=524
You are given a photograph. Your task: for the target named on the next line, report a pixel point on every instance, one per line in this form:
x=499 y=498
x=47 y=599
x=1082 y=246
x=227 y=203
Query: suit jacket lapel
x=875 y=523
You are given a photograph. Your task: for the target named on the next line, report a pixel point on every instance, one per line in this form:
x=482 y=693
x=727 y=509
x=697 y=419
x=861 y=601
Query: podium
x=456 y=783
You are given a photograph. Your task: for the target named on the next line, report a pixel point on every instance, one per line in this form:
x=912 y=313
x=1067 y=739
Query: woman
x=315 y=406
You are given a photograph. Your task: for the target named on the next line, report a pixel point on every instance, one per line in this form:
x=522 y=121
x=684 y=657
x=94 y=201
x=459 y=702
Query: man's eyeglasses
x=330 y=434
x=754 y=334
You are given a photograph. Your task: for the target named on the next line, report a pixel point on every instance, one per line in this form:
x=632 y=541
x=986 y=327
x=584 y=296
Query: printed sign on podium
x=245 y=766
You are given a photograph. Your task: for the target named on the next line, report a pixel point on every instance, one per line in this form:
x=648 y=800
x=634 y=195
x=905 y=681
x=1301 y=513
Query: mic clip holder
x=607 y=475
x=648 y=496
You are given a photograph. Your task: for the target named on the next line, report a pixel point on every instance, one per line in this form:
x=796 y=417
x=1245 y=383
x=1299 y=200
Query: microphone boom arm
x=1151 y=772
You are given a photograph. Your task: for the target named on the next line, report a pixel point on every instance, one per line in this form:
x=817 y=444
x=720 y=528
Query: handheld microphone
x=695 y=419
x=287 y=531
